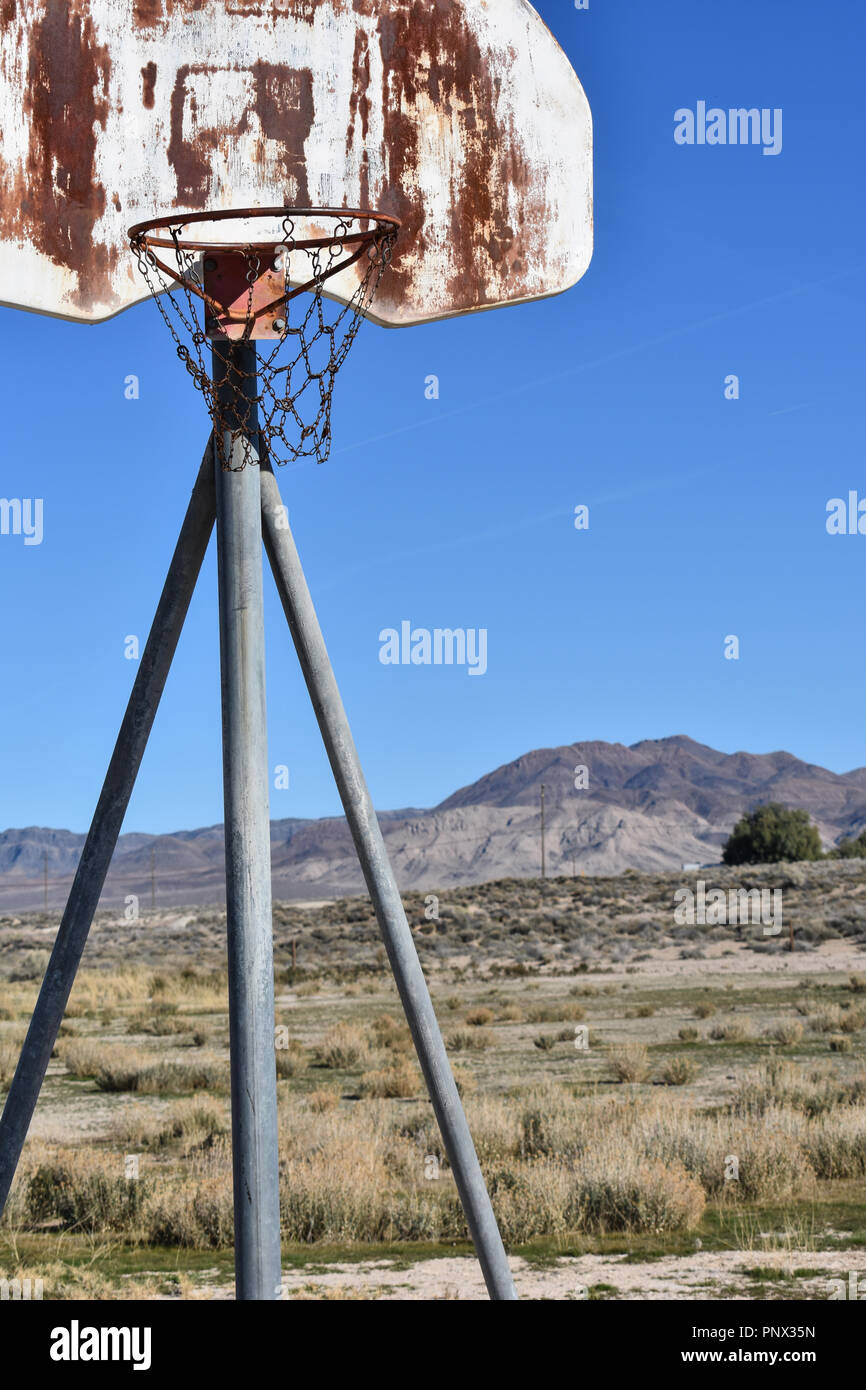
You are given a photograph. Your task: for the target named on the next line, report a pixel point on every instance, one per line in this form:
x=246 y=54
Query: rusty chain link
x=292 y=395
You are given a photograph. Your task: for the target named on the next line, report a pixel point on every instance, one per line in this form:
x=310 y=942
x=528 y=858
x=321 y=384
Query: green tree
x=772 y=834
x=851 y=849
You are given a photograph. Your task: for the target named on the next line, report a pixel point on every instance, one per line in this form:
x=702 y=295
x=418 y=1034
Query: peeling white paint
x=541 y=123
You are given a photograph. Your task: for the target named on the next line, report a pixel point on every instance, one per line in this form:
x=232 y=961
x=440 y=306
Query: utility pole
x=152 y=878
x=543 y=859
x=45 y=876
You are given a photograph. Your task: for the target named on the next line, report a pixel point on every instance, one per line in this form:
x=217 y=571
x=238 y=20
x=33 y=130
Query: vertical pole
x=255 y=1158
x=543 y=860
x=379 y=876
x=152 y=878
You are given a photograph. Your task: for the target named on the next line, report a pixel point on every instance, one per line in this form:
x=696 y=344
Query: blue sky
x=707 y=516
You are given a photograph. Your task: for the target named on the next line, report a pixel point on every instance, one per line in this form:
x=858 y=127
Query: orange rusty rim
x=144 y=236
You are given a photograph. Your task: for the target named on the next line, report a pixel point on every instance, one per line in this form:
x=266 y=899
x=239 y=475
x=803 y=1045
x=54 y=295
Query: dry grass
x=786 y=1033
x=479 y=1018
x=119 y=1068
x=292 y=1060
x=343 y=1047
x=732 y=1030
x=679 y=1071
x=9 y=1053
x=401 y=1079
x=630 y=1062
x=556 y=1162
x=564 y=1152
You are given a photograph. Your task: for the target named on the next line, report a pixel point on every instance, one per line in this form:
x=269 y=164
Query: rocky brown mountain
x=652 y=806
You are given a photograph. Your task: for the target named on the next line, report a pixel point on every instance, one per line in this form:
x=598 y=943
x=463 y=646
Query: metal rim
x=141 y=232
x=142 y=238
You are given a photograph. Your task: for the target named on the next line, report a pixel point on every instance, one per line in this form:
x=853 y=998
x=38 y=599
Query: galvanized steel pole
x=370 y=846
x=255 y=1156
x=107 y=820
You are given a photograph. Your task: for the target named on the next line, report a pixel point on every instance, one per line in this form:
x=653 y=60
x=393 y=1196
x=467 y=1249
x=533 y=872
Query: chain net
x=285 y=404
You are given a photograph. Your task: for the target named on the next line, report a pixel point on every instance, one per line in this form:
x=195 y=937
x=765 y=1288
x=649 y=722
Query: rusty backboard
x=462 y=117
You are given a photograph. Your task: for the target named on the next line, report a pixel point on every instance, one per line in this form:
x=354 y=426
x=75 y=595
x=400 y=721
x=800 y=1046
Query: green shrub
x=773 y=834
x=851 y=849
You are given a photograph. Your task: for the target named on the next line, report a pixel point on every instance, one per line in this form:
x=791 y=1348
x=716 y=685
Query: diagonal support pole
x=361 y=816
x=107 y=820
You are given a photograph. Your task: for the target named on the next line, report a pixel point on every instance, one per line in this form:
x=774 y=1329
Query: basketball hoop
x=269 y=292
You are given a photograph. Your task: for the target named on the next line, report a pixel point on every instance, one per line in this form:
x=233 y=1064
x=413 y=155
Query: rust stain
x=359 y=105
x=147 y=14
x=59 y=200
x=148 y=85
x=191 y=162
x=153 y=14
x=284 y=106
x=283 y=103
x=297 y=9
x=459 y=83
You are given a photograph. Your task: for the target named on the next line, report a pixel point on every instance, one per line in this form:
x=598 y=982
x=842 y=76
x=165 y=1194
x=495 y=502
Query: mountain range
x=652 y=806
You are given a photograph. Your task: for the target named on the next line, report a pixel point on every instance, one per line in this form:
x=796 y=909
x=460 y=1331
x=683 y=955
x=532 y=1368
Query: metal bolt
x=279 y=325
x=279 y=263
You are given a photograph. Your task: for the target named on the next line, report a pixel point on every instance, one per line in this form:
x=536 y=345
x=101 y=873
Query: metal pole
x=370 y=846
x=107 y=820
x=255 y=1157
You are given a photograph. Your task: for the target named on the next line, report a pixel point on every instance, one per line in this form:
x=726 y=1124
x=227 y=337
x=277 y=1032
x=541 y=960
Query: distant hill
x=652 y=806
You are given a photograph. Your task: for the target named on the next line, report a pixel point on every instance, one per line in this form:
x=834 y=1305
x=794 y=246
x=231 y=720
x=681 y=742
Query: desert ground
x=662 y=1111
